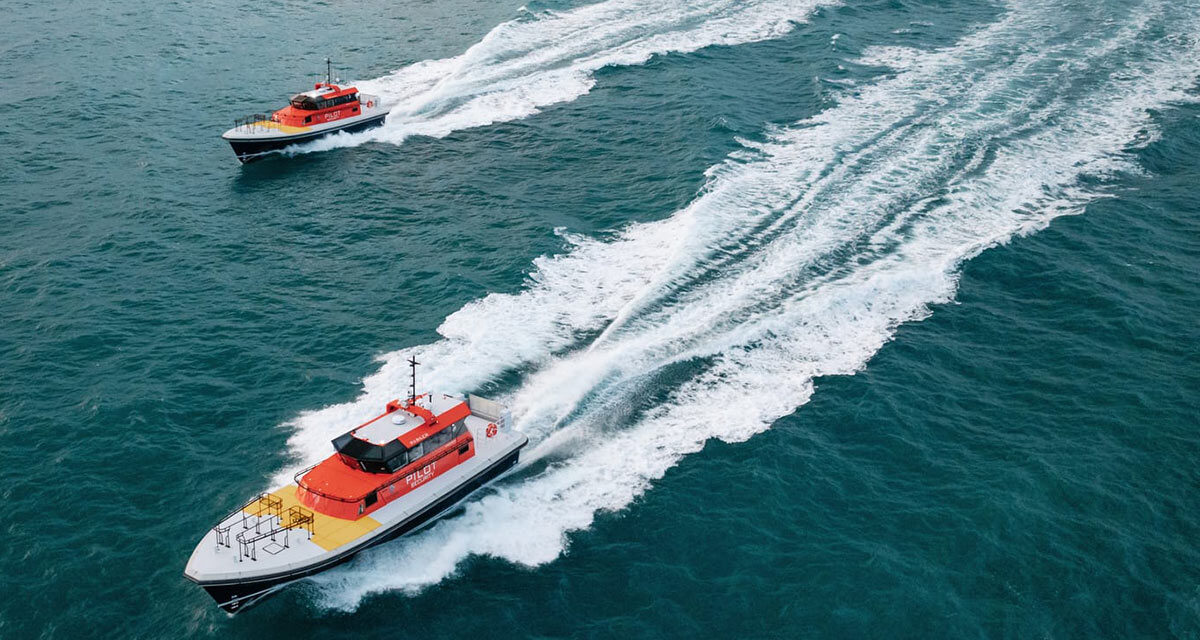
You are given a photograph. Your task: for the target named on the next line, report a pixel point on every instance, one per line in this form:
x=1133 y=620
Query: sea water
x=824 y=319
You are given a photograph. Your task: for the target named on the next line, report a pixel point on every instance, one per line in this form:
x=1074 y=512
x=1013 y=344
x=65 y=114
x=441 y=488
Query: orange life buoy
x=370 y=103
x=491 y=430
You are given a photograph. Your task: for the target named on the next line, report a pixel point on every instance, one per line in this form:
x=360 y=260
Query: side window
x=397 y=462
x=438 y=439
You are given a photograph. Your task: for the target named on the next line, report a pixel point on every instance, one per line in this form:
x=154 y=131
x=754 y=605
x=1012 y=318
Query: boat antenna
x=328 y=71
x=413 y=363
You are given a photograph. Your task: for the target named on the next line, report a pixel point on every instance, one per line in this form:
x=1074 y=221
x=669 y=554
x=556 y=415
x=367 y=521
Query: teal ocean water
x=824 y=319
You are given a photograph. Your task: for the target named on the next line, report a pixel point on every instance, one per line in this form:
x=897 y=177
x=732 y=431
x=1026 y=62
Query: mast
x=328 y=71
x=412 y=397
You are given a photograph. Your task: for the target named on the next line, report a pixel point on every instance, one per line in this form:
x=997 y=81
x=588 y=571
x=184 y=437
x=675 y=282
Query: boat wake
x=800 y=258
x=550 y=57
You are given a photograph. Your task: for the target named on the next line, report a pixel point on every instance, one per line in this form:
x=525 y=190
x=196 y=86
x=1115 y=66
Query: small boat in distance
x=326 y=109
x=389 y=476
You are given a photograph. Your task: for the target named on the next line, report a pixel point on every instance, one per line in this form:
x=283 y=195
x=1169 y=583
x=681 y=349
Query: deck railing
x=297 y=517
x=252 y=121
x=258 y=507
x=264 y=513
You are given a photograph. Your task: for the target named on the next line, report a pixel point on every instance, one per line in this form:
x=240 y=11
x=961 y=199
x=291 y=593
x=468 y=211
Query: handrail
x=299 y=474
x=298 y=518
x=268 y=504
x=251 y=121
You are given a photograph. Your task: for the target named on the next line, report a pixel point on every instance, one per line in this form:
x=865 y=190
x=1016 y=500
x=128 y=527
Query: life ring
x=491 y=430
x=370 y=103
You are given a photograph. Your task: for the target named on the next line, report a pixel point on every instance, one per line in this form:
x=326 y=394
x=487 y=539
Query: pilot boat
x=387 y=477
x=327 y=109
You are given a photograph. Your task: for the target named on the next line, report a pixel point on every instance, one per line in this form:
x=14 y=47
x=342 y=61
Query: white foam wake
x=551 y=57
x=799 y=260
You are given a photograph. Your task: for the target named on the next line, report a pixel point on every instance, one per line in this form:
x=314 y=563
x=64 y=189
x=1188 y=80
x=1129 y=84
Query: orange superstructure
x=327 y=102
x=386 y=457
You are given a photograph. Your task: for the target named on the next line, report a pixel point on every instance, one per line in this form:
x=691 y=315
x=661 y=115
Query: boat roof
x=323 y=90
x=402 y=426
x=414 y=421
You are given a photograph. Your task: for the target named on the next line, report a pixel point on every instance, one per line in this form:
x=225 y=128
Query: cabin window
x=371 y=466
x=307 y=119
x=333 y=102
x=397 y=462
x=437 y=440
x=361 y=454
x=371 y=499
x=403 y=458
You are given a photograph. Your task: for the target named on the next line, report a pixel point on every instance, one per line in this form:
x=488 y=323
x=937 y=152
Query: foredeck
x=329 y=532
x=257 y=126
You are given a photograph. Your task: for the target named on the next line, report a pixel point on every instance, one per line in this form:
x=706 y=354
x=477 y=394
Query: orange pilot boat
x=388 y=476
x=325 y=110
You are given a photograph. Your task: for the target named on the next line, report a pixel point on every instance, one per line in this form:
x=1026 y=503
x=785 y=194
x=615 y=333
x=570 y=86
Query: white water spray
x=525 y=65
x=799 y=260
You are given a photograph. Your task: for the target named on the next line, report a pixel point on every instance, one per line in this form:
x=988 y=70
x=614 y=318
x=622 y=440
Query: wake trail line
x=828 y=235
x=549 y=57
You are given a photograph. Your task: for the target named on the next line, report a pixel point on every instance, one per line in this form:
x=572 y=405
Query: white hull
x=236 y=574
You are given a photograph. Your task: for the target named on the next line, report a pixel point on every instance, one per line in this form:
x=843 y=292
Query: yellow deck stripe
x=286 y=128
x=329 y=532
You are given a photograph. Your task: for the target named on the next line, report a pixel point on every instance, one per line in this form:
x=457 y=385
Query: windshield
x=304 y=102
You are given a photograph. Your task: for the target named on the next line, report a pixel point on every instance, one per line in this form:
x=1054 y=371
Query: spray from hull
x=799 y=260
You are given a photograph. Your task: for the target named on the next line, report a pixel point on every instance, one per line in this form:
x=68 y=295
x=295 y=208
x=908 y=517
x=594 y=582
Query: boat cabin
x=380 y=460
x=361 y=453
x=325 y=103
